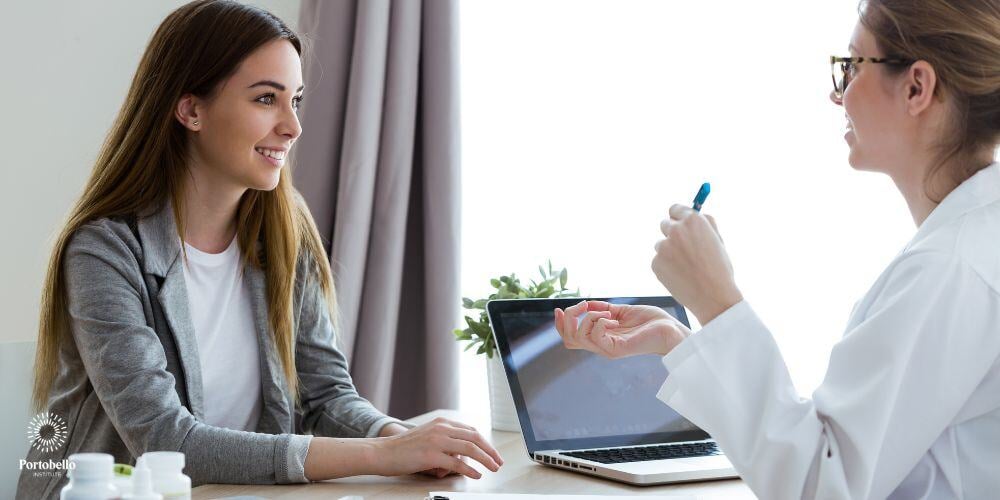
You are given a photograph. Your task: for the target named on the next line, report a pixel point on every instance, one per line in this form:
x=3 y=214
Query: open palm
x=619 y=330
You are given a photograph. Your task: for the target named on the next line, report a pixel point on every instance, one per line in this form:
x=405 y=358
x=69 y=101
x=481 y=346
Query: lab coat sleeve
x=894 y=383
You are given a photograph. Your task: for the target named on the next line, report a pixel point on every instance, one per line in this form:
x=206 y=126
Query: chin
x=857 y=160
x=265 y=183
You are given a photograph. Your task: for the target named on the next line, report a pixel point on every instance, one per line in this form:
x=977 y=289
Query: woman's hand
x=693 y=264
x=619 y=330
x=393 y=429
x=435 y=448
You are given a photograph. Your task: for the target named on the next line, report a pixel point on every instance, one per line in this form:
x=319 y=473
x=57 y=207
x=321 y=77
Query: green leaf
x=496 y=283
x=470 y=346
x=541 y=271
x=479 y=304
x=471 y=322
x=467 y=303
x=563 y=276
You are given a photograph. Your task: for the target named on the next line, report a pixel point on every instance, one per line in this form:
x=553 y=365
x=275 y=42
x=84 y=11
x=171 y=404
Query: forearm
x=332 y=458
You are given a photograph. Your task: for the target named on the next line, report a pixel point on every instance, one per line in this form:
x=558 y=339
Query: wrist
x=372 y=455
x=391 y=429
x=332 y=458
x=712 y=310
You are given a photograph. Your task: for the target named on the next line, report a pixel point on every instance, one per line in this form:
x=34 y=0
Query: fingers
x=584 y=335
x=680 y=212
x=469 y=434
x=456 y=464
x=569 y=319
x=598 y=305
x=666 y=225
x=471 y=450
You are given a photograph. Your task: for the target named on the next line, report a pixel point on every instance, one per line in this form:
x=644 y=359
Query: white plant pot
x=502 y=412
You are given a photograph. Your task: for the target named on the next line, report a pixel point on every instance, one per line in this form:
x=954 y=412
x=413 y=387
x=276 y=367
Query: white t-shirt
x=223 y=319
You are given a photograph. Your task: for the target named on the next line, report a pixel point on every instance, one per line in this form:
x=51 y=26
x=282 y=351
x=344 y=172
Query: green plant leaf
x=478 y=333
x=471 y=322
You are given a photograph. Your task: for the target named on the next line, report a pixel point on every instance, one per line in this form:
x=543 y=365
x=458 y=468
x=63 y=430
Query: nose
x=289 y=126
x=839 y=101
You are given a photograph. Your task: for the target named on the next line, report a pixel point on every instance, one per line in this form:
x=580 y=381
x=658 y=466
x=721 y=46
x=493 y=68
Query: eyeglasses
x=844 y=68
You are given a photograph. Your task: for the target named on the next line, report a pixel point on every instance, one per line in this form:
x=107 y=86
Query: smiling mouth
x=272 y=156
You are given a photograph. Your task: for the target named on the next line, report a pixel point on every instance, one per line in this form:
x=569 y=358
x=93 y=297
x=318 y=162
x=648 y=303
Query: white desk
x=518 y=475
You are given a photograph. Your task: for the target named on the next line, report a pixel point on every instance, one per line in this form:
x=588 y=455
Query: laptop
x=584 y=413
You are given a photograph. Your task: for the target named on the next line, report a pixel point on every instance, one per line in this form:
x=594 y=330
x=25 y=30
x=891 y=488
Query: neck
x=209 y=211
x=914 y=192
x=911 y=183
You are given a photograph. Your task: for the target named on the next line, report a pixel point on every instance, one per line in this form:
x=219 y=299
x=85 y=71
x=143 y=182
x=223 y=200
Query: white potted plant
x=478 y=334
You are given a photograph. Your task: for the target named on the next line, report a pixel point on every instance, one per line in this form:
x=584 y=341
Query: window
x=583 y=121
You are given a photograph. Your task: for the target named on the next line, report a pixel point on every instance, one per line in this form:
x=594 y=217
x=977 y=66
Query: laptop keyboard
x=647 y=453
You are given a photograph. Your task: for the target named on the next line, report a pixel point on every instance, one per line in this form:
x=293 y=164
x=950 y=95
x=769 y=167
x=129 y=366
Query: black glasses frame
x=847 y=67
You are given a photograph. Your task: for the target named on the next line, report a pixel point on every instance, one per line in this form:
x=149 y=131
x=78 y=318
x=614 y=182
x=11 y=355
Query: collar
x=159 y=240
x=982 y=189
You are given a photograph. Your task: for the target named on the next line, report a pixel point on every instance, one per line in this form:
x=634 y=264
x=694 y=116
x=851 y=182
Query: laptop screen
x=571 y=399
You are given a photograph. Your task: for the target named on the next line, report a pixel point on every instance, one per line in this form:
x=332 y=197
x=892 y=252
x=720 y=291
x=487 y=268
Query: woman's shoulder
x=106 y=237
x=970 y=241
x=976 y=242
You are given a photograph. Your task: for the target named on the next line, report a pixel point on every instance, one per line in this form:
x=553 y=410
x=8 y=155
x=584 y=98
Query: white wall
x=584 y=120
x=66 y=68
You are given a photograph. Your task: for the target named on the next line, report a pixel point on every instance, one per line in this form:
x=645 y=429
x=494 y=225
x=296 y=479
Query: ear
x=186 y=112
x=921 y=83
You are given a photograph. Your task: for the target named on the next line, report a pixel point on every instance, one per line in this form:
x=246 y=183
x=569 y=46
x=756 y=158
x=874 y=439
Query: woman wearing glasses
x=910 y=405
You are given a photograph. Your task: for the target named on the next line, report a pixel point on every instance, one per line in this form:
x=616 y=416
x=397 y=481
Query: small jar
x=90 y=478
x=165 y=469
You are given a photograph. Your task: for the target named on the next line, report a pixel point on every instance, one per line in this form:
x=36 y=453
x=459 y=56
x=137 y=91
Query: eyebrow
x=270 y=83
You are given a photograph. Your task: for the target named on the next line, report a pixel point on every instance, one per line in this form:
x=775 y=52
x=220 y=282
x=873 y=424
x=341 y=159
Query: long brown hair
x=961 y=40
x=144 y=159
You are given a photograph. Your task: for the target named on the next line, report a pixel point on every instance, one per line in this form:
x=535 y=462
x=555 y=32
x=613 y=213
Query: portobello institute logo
x=47 y=432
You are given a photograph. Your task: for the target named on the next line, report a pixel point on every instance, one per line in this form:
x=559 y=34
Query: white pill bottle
x=90 y=478
x=165 y=468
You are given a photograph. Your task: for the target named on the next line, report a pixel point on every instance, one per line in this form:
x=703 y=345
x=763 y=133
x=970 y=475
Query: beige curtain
x=378 y=163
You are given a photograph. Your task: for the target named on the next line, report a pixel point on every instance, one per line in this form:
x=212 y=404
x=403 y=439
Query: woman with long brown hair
x=189 y=303
x=910 y=405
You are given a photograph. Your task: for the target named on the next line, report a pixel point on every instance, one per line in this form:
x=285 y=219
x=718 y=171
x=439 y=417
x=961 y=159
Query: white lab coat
x=910 y=405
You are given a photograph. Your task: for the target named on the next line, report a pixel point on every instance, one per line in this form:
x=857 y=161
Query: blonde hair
x=143 y=161
x=960 y=39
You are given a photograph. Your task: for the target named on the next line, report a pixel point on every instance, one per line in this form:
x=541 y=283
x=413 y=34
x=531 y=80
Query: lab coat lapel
x=980 y=189
x=162 y=257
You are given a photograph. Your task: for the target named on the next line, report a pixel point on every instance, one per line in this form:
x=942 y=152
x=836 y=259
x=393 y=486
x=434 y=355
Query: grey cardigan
x=130 y=380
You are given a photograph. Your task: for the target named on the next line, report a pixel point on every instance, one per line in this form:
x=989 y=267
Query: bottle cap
x=91 y=465
x=142 y=485
x=163 y=460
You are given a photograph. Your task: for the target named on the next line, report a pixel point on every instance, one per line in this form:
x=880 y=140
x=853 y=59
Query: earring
x=196 y=122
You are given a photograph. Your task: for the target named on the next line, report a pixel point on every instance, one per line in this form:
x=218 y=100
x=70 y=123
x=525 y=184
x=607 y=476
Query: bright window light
x=583 y=121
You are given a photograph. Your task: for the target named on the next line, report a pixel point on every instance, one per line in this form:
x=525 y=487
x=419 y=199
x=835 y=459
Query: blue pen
x=702 y=195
